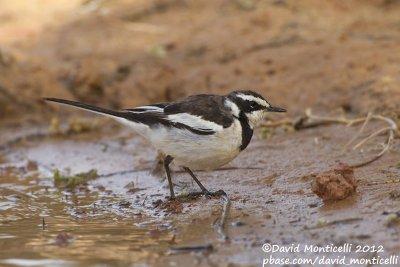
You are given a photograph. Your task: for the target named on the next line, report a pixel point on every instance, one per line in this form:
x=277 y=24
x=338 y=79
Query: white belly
x=198 y=152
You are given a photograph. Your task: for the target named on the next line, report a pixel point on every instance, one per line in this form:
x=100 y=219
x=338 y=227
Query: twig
x=220 y=225
x=366 y=139
x=384 y=150
x=392 y=129
x=310 y=120
x=360 y=131
x=187 y=249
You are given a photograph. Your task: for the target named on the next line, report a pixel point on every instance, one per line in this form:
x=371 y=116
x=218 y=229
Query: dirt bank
x=330 y=55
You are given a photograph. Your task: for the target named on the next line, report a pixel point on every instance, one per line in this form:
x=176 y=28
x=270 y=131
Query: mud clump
x=336 y=184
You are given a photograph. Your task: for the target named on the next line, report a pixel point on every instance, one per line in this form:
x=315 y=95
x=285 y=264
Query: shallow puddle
x=45 y=226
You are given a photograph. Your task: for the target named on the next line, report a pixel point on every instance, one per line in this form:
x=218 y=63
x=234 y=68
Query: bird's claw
x=205 y=193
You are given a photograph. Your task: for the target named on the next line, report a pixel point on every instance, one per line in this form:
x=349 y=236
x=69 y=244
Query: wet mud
x=124 y=215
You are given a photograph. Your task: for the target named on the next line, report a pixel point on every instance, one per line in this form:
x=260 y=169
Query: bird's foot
x=215 y=194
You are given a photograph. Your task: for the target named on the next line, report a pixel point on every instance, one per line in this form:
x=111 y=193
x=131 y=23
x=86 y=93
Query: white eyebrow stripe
x=253 y=98
x=233 y=107
x=195 y=122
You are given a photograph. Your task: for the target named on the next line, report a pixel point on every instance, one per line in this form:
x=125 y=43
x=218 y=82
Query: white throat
x=255 y=118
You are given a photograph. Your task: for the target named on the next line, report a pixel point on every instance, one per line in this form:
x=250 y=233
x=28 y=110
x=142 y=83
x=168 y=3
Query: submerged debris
x=63 y=239
x=155 y=233
x=65 y=181
x=132 y=188
x=31 y=165
x=335 y=184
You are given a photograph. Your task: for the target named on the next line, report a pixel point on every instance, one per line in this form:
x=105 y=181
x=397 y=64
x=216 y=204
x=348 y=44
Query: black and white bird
x=200 y=132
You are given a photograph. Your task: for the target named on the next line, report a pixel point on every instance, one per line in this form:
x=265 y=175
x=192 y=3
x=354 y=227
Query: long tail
x=87 y=107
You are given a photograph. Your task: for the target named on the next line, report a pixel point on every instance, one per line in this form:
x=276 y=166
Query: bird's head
x=252 y=105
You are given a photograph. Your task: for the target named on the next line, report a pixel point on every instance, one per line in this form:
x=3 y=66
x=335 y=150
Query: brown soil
x=328 y=55
x=336 y=57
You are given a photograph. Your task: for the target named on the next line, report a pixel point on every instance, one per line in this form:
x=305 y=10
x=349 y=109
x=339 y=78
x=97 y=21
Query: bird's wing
x=201 y=111
x=161 y=114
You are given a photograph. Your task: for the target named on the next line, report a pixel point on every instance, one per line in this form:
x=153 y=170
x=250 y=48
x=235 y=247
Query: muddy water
x=115 y=218
x=40 y=224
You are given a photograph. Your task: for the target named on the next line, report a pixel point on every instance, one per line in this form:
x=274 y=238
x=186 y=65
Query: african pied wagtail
x=201 y=132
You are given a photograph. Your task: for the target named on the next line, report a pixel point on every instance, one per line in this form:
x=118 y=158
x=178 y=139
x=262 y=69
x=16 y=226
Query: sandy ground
x=336 y=57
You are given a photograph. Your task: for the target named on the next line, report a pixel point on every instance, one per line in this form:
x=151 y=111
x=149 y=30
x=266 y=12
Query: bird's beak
x=275 y=109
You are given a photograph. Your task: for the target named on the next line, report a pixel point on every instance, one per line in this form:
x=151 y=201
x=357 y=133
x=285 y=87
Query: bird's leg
x=203 y=189
x=167 y=160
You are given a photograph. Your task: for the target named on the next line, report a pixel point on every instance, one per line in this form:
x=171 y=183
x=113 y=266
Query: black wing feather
x=208 y=107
